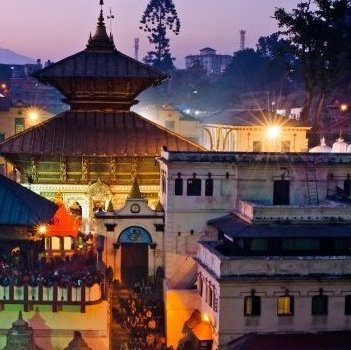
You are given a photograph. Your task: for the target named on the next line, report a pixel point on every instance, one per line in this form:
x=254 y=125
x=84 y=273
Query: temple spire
x=100 y=41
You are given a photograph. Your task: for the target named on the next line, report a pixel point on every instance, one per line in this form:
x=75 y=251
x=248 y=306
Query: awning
x=232 y=226
x=63 y=224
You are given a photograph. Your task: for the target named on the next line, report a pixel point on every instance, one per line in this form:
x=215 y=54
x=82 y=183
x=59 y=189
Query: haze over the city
x=55 y=29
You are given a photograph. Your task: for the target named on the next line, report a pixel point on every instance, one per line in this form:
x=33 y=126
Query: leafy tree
x=320 y=36
x=160 y=16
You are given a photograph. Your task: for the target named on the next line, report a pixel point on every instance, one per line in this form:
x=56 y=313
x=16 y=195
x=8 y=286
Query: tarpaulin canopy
x=63 y=224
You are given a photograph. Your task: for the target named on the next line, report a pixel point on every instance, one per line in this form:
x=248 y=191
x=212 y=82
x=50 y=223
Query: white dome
x=339 y=146
x=322 y=148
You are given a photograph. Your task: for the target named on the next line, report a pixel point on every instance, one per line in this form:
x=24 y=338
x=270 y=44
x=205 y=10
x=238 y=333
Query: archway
x=134 y=242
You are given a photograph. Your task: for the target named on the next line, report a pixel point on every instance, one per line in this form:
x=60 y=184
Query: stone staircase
x=118 y=335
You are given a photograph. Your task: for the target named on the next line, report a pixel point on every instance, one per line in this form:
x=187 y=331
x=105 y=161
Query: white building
x=213 y=63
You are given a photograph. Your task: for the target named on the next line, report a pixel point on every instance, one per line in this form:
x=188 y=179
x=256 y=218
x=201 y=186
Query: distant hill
x=10 y=57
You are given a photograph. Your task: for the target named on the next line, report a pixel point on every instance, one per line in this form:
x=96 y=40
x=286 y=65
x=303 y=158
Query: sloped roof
x=255 y=117
x=95 y=133
x=234 y=227
x=21 y=206
x=95 y=64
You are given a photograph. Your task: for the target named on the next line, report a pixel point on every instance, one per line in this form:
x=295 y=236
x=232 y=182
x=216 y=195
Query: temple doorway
x=134 y=242
x=134 y=263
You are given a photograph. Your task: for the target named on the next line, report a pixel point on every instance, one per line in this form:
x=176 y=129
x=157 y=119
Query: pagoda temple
x=92 y=152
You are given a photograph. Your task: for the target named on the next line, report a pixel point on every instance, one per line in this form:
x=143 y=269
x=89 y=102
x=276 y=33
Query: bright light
x=343 y=107
x=42 y=229
x=205 y=318
x=3 y=86
x=33 y=115
x=273 y=131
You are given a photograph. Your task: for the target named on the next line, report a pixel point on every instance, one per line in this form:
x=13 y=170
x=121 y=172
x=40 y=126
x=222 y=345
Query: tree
x=160 y=16
x=320 y=37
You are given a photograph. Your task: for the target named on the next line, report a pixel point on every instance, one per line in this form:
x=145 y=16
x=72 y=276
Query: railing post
x=11 y=292
x=54 y=298
x=25 y=297
x=69 y=293
x=82 y=298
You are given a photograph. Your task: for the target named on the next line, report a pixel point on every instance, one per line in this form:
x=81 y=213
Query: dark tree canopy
x=319 y=32
x=160 y=17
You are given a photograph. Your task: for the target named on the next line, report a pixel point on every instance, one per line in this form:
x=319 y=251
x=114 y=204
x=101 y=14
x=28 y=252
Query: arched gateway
x=134 y=242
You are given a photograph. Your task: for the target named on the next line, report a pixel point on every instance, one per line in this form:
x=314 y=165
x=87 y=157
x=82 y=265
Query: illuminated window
x=55 y=243
x=252 y=305
x=257 y=146
x=348 y=305
x=67 y=243
x=285 y=146
x=194 y=187
x=320 y=305
x=178 y=186
x=285 y=305
x=19 y=125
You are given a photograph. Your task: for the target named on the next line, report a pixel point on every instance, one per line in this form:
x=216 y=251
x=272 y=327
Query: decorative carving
x=98 y=189
x=84 y=169
x=113 y=168
x=63 y=170
x=33 y=169
x=134 y=168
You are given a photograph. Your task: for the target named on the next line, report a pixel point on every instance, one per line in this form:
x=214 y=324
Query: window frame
x=255 y=306
x=282 y=310
x=347 y=305
x=193 y=187
x=319 y=305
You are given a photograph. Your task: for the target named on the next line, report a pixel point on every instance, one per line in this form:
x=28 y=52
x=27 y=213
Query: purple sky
x=57 y=28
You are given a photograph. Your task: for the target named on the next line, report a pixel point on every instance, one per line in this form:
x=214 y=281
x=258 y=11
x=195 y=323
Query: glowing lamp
x=273 y=131
x=42 y=229
x=205 y=318
x=343 y=107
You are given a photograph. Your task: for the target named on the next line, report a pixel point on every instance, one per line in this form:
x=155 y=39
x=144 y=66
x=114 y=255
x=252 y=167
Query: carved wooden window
x=320 y=305
x=252 y=305
x=285 y=305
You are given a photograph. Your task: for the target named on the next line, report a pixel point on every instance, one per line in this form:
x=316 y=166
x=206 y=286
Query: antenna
x=110 y=17
x=136 y=49
x=242 y=39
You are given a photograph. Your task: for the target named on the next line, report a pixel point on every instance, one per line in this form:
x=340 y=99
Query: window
x=285 y=146
x=210 y=296
x=252 y=305
x=209 y=187
x=257 y=146
x=2 y=169
x=201 y=286
x=281 y=192
x=178 y=190
x=348 y=305
x=19 y=125
x=320 y=305
x=163 y=183
x=194 y=187
x=169 y=124
x=2 y=137
x=258 y=245
x=285 y=305
x=300 y=244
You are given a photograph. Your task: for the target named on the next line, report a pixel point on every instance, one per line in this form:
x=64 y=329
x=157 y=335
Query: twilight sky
x=54 y=29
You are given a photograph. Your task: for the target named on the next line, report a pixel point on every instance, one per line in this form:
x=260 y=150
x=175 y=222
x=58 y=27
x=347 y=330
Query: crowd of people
x=75 y=270
x=141 y=314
